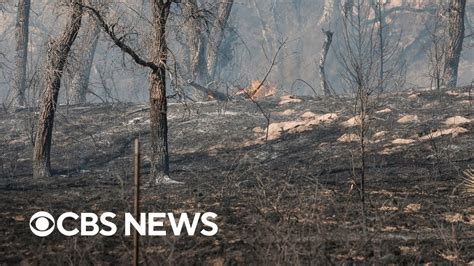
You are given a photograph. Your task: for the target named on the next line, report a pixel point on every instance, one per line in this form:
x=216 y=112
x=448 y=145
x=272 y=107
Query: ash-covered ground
x=293 y=198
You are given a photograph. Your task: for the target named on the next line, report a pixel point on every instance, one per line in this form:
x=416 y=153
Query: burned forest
x=236 y=132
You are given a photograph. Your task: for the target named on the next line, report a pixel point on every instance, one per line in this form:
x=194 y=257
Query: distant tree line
x=206 y=32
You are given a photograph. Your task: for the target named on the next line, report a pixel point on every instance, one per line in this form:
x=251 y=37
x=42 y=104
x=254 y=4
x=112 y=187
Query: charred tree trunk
x=203 y=46
x=57 y=55
x=17 y=94
x=457 y=9
x=157 y=80
x=158 y=104
x=322 y=62
x=194 y=30
x=86 y=52
x=216 y=36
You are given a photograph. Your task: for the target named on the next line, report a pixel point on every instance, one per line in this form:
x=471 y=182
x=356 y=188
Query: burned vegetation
x=363 y=155
x=293 y=198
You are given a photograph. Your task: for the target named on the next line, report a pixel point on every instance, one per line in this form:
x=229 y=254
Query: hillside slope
x=291 y=199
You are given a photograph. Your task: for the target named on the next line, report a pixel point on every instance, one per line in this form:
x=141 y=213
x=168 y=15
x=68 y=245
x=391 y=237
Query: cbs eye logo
x=42 y=224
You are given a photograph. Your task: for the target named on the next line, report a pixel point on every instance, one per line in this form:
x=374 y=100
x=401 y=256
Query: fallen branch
x=214 y=94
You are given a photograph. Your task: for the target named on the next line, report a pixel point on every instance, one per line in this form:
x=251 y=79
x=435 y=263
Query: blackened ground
x=292 y=199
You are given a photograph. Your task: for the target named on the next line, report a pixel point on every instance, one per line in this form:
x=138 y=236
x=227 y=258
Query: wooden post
x=136 y=198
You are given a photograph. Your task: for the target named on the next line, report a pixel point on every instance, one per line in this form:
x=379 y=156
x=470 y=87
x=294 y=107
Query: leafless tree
x=333 y=10
x=380 y=6
x=266 y=28
x=322 y=62
x=194 y=27
x=19 y=84
x=359 y=60
x=437 y=50
x=157 y=82
x=58 y=51
x=205 y=28
x=457 y=10
x=2 y=55
x=158 y=104
x=85 y=50
x=216 y=36
x=391 y=67
x=288 y=24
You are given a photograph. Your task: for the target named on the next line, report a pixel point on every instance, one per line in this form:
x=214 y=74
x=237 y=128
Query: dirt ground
x=293 y=199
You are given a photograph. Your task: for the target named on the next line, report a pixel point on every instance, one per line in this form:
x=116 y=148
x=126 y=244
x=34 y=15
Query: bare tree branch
x=273 y=63
x=119 y=40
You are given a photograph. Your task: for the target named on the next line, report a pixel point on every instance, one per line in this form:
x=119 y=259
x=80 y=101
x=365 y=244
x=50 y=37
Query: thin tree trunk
x=457 y=9
x=322 y=62
x=158 y=104
x=17 y=94
x=203 y=76
x=296 y=69
x=363 y=118
x=57 y=55
x=381 y=45
x=86 y=53
x=266 y=31
x=216 y=36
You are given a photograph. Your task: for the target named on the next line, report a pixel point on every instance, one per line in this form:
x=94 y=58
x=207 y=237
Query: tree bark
x=86 y=53
x=203 y=46
x=157 y=90
x=194 y=29
x=457 y=9
x=216 y=36
x=17 y=94
x=157 y=83
x=58 y=52
x=322 y=62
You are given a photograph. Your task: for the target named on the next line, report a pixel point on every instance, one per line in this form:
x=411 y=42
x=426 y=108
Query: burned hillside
x=290 y=198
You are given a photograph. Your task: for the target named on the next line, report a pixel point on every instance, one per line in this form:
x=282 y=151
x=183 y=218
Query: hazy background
x=248 y=54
